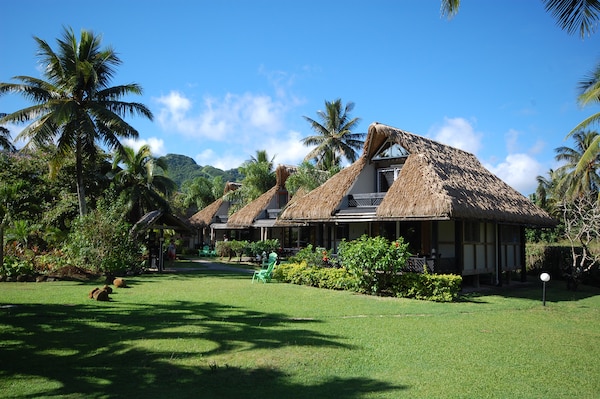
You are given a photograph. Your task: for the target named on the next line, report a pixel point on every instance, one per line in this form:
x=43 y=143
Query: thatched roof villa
x=439 y=198
x=259 y=216
x=212 y=216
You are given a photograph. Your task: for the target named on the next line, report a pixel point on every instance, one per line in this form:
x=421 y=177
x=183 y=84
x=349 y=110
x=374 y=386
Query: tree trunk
x=80 y=183
x=1 y=246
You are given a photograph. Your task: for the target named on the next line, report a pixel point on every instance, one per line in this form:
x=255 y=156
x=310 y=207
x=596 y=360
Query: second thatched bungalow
x=440 y=199
x=256 y=221
x=213 y=217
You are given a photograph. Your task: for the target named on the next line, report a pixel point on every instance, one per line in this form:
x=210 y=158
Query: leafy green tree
x=5 y=140
x=571 y=15
x=200 y=192
x=9 y=201
x=547 y=195
x=75 y=107
x=334 y=139
x=259 y=177
x=307 y=178
x=576 y=181
x=141 y=182
x=589 y=94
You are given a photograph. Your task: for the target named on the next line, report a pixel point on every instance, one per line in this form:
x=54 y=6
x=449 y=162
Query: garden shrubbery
x=374 y=261
x=371 y=265
x=315 y=276
x=431 y=287
x=240 y=248
x=100 y=241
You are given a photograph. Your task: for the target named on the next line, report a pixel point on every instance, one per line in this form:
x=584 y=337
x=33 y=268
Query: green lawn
x=214 y=334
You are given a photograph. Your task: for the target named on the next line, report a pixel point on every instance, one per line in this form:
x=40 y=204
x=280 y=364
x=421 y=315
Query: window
x=386 y=177
x=390 y=150
x=472 y=232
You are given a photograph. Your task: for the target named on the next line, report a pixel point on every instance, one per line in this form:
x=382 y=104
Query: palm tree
x=141 y=184
x=547 y=194
x=75 y=107
x=259 y=174
x=307 y=178
x=571 y=15
x=259 y=177
x=334 y=139
x=576 y=182
x=199 y=192
x=589 y=94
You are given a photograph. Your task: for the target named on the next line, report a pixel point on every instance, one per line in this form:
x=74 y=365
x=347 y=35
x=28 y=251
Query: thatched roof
x=206 y=215
x=159 y=220
x=437 y=182
x=321 y=203
x=246 y=216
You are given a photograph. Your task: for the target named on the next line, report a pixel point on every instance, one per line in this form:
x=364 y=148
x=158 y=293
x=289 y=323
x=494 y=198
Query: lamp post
x=545 y=277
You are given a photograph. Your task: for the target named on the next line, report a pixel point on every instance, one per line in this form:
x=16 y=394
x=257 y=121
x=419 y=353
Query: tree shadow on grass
x=90 y=351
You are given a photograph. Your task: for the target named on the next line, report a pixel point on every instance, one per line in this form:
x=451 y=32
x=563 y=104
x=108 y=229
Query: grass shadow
x=91 y=351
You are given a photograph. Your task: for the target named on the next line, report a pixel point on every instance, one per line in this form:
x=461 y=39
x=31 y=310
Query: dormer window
x=390 y=150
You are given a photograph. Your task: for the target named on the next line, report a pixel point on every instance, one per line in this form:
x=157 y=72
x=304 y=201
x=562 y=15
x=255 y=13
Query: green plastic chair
x=264 y=275
x=206 y=251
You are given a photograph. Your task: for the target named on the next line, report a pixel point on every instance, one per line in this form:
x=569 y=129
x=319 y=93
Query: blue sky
x=227 y=78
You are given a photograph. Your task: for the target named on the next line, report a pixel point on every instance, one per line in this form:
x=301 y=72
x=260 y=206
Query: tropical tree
x=544 y=196
x=202 y=191
x=75 y=107
x=589 y=94
x=334 y=140
x=5 y=142
x=9 y=201
x=140 y=179
x=575 y=181
x=259 y=175
x=307 y=178
x=571 y=15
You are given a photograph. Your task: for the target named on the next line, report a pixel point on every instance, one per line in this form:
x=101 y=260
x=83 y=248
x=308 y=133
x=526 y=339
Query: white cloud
x=519 y=171
x=157 y=146
x=225 y=161
x=459 y=133
x=287 y=150
x=239 y=116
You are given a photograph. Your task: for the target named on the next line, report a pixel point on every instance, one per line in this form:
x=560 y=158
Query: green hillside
x=183 y=168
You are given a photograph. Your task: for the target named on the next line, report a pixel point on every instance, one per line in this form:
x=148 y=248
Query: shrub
x=431 y=287
x=374 y=262
x=258 y=247
x=322 y=277
x=314 y=257
x=100 y=241
x=223 y=249
x=17 y=266
x=238 y=248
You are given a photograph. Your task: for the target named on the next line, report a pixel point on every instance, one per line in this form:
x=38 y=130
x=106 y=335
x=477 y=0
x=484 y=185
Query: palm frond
x=575 y=15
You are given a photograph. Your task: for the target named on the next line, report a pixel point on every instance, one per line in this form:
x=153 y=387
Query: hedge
x=432 y=287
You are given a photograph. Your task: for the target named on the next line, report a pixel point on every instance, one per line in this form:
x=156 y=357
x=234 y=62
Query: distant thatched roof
x=246 y=216
x=437 y=182
x=206 y=215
